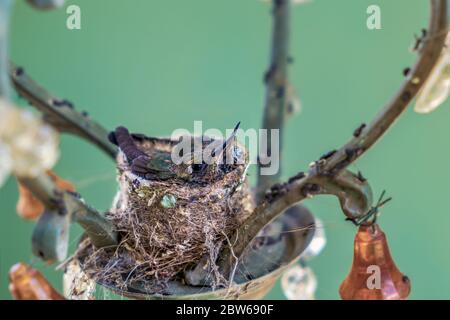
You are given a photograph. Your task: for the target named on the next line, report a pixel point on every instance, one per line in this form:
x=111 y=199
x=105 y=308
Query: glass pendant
x=373 y=275
x=299 y=283
x=317 y=243
x=437 y=87
x=29 y=207
x=26 y=283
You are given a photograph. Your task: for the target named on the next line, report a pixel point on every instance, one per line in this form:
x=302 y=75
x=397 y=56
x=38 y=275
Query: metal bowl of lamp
x=279 y=247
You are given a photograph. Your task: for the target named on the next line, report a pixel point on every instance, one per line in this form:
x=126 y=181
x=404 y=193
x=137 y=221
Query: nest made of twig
x=167 y=226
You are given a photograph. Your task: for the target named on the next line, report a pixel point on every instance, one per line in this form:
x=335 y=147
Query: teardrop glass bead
x=373 y=274
x=299 y=283
x=26 y=283
x=436 y=89
x=317 y=243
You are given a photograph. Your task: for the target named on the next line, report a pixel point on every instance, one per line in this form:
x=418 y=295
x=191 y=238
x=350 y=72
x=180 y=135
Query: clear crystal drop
x=33 y=145
x=299 y=283
x=317 y=243
x=437 y=87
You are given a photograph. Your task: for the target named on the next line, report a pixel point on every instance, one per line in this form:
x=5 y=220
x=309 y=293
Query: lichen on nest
x=168 y=225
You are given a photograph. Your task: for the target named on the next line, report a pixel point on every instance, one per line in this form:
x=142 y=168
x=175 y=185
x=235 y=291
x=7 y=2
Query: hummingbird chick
x=156 y=163
x=179 y=199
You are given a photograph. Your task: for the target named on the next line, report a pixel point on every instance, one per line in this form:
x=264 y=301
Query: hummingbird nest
x=168 y=222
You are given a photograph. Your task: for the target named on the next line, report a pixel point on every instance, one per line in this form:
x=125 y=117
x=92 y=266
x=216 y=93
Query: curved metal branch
x=428 y=56
x=276 y=79
x=50 y=236
x=354 y=194
x=61 y=113
x=294 y=191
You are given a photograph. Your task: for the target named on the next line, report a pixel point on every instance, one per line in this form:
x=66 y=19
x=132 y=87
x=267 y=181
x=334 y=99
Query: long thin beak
x=219 y=151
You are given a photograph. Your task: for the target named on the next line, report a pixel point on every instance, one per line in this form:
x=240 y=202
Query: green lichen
x=168 y=201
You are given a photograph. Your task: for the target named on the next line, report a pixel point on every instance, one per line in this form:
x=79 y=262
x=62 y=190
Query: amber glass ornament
x=373 y=275
x=26 y=283
x=29 y=207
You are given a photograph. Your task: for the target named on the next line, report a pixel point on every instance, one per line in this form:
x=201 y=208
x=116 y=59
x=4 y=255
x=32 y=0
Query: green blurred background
x=159 y=65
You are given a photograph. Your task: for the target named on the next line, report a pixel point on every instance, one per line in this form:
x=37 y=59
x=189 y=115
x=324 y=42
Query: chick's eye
x=198 y=167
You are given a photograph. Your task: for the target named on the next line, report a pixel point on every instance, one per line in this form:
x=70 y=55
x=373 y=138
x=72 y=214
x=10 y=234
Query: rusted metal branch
x=60 y=113
x=276 y=80
x=311 y=183
x=51 y=233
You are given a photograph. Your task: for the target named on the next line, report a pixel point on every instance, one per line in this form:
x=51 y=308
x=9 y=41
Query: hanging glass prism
x=299 y=283
x=436 y=89
x=317 y=243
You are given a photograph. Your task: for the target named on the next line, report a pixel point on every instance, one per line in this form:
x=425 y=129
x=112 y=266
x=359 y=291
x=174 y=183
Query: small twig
x=60 y=113
x=236 y=262
x=293 y=192
x=276 y=79
x=372 y=215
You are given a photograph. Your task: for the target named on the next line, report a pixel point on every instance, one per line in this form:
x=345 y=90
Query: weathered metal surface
x=266 y=265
